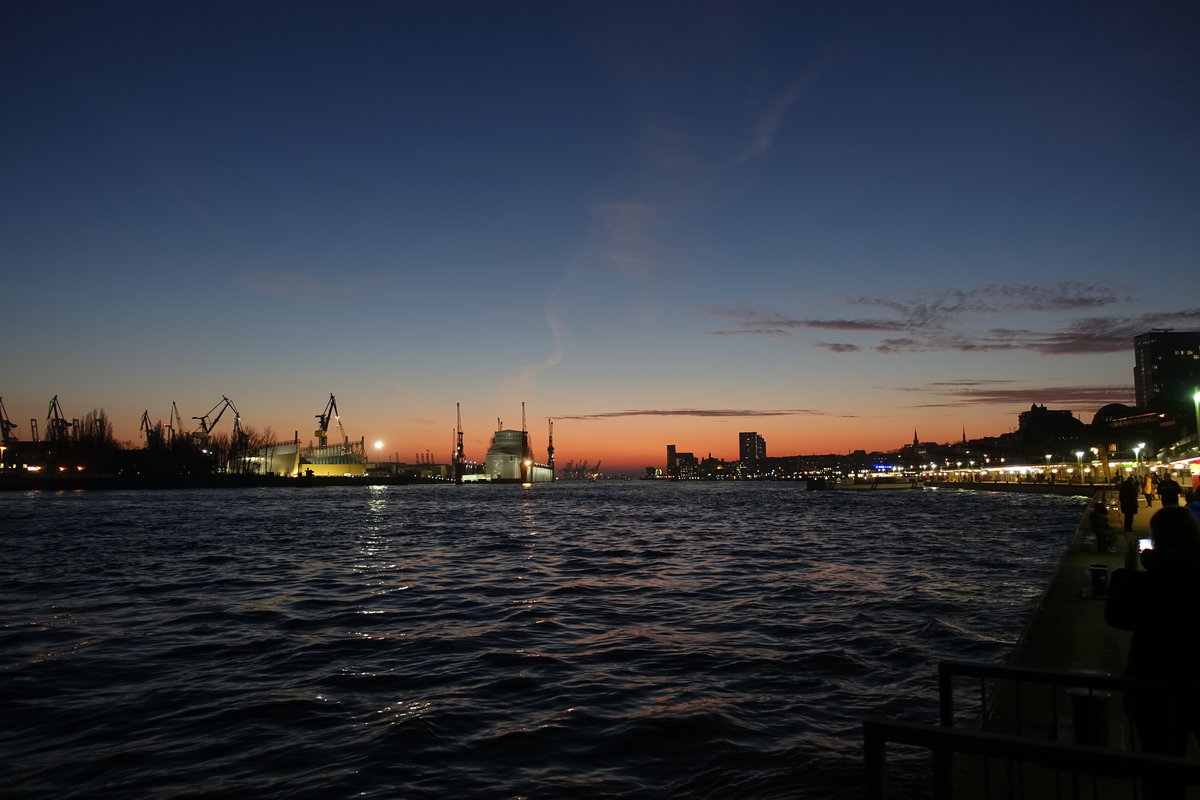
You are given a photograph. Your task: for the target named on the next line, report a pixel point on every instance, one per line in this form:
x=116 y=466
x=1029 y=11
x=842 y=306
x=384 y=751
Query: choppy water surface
x=572 y=640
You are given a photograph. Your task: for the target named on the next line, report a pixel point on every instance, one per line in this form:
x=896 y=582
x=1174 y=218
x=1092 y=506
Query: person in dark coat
x=1169 y=490
x=1128 y=495
x=1165 y=649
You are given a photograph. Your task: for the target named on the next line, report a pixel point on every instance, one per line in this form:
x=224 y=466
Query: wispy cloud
x=985 y=392
x=839 y=347
x=621 y=237
x=626 y=228
x=766 y=126
x=949 y=321
x=702 y=412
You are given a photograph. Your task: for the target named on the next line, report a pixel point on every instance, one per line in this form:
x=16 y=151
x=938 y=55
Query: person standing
x=1148 y=484
x=1164 y=649
x=1169 y=490
x=1128 y=496
x=1193 y=503
x=1105 y=538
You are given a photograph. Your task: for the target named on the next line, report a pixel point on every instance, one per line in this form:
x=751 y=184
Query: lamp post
x=1137 y=459
x=1079 y=458
x=1196 y=405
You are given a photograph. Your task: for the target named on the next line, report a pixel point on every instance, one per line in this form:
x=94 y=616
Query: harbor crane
x=207 y=424
x=154 y=433
x=174 y=423
x=330 y=412
x=57 y=427
x=7 y=426
x=459 y=456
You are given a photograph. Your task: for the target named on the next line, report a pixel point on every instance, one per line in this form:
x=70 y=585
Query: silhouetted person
x=1156 y=605
x=1193 y=503
x=1098 y=519
x=1169 y=490
x=1128 y=496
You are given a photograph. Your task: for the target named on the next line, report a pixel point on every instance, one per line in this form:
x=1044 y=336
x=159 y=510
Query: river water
x=609 y=639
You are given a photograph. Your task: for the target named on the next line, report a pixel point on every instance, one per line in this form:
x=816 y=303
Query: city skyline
x=832 y=226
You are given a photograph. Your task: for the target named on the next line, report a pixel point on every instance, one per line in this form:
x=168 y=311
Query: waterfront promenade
x=1066 y=632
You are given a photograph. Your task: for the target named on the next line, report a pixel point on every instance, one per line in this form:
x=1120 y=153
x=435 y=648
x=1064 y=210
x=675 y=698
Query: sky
x=655 y=223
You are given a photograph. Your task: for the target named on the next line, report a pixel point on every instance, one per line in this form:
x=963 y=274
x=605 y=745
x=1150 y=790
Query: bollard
x=1089 y=707
x=1099 y=576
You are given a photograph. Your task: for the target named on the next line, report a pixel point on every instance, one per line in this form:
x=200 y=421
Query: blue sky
x=655 y=222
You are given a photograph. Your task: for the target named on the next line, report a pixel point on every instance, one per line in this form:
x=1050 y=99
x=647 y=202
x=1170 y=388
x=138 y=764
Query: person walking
x=1128 y=497
x=1148 y=484
x=1169 y=490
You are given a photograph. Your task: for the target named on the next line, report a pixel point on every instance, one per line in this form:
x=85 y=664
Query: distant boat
x=884 y=481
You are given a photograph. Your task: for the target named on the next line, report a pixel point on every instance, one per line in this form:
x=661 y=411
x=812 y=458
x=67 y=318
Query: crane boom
x=206 y=425
x=459 y=457
x=56 y=423
x=7 y=426
x=330 y=412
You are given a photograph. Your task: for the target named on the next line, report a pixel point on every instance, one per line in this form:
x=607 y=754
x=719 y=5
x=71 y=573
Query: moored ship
x=880 y=481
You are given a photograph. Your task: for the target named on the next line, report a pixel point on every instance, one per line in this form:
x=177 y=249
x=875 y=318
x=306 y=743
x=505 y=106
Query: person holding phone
x=1155 y=603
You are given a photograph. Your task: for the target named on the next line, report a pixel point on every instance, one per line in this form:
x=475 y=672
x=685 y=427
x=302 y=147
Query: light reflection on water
x=611 y=640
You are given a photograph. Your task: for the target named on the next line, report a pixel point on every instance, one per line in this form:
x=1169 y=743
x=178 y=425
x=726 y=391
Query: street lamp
x=1137 y=458
x=1079 y=458
x=1196 y=404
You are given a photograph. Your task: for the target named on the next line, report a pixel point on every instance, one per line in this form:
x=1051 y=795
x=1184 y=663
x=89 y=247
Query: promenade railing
x=1040 y=734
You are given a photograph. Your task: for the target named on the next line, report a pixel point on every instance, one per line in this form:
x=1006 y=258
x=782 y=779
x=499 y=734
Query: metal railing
x=1077 y=762
x=1056 y=768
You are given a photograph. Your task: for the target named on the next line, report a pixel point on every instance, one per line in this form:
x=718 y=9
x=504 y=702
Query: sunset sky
x=655 y=222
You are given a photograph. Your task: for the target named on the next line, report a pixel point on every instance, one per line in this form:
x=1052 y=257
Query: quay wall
x=1068 y=489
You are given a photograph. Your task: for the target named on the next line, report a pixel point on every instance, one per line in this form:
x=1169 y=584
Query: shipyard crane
x=459 y=456
x=154 y=433
x=175 y=423
x=57 y=427
x=330 y=412
x=207 y=425
x=7 y=426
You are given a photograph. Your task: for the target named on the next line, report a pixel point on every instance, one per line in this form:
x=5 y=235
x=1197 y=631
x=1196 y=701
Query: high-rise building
x=1166 y=370
x=751 y=447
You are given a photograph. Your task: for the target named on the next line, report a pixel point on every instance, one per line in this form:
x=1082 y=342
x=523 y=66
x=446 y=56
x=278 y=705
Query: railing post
x=943 y=773
x=875 y=754
x=946 y=695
